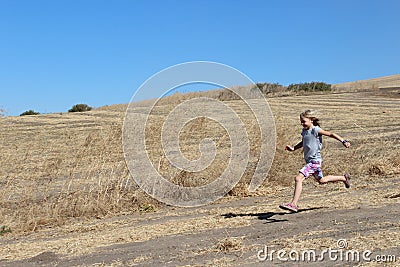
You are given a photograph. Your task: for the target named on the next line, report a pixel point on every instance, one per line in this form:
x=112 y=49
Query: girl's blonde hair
x=312 y=115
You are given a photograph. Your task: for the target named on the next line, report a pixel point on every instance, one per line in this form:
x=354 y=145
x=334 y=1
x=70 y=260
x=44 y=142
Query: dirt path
x=231 y=232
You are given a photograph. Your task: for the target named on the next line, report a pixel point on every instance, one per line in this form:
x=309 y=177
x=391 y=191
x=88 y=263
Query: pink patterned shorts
x=312 y=168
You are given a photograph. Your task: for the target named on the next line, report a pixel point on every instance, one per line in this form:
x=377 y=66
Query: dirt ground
x=343 y=227
x=231 y=232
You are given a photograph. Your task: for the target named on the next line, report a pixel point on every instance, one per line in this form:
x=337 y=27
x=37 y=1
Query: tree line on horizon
x=75 y=108
x=265 y=88
x=268 y=88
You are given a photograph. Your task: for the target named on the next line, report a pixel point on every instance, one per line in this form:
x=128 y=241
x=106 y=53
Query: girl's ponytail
x=316 y=122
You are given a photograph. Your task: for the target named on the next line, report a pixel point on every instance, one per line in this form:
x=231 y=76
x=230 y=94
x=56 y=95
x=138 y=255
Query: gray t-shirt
x=312 y=144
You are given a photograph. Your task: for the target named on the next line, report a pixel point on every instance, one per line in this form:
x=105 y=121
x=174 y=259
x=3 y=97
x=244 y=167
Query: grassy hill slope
x=392 y=81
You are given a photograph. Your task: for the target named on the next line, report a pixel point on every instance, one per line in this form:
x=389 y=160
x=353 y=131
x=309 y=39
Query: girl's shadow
x=267 y=216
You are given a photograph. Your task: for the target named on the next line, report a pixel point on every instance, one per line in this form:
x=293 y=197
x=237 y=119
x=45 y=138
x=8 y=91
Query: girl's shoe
x=289 y=206
x=347 y=182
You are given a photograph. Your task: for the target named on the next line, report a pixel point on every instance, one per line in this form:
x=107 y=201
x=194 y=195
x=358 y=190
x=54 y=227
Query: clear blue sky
x=57 y=53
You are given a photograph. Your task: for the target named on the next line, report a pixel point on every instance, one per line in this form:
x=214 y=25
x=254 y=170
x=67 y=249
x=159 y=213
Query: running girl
x=312 y=143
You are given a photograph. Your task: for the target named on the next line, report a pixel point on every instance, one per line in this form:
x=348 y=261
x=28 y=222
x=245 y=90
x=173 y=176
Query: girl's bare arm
x=297 y=146
x=335 y=136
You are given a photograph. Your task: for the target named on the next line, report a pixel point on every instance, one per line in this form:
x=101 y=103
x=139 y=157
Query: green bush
x=4 y=230
x=267 y=88
x=29 y=112
x=80 y=108
x=310 y=87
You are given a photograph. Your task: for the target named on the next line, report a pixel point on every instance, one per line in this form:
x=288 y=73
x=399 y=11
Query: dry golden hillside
x=61 y=166
x=392 y=81
x=65 y=187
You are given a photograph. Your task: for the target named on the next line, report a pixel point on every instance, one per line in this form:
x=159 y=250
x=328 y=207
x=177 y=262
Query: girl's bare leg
x=298 y=187
x=332 y=178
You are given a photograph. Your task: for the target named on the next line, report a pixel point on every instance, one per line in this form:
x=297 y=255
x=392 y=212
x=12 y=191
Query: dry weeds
x=61 y=173
x=57 y=167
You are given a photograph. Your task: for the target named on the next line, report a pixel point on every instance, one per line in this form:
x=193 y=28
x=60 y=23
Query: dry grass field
x=385 y=82
x=68 y=199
